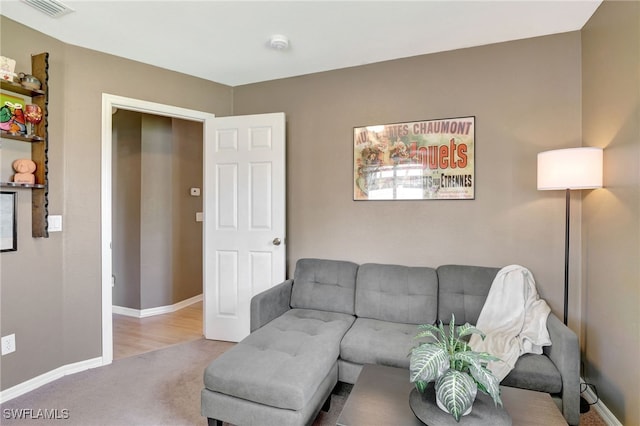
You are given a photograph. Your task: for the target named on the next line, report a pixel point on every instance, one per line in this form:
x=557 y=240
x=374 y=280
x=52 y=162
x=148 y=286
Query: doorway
x=157 y=175
x=111 y=103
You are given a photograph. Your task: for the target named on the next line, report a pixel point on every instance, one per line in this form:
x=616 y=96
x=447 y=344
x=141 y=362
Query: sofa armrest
x=564 y=352
x=270 y=304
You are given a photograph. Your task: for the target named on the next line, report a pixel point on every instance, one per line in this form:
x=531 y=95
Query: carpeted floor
x=156 y=388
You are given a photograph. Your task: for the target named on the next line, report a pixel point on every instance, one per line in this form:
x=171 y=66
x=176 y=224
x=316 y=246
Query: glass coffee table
x=381 y=397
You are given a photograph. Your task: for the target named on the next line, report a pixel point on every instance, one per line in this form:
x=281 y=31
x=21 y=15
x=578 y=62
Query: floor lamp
x=569 y=169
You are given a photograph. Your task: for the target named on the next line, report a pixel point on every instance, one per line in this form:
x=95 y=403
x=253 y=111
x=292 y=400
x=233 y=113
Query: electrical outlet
x=8 y=344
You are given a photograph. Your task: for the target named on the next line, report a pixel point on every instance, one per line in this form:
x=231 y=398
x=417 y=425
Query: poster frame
x=430 y=159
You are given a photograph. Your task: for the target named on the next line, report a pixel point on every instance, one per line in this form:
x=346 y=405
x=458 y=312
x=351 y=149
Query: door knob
x=276 y=241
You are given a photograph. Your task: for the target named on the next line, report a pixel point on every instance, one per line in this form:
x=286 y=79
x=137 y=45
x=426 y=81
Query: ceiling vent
x=52 y=8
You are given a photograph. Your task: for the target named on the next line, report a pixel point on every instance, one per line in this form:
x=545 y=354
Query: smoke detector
x=278 y=42
x=51 y=8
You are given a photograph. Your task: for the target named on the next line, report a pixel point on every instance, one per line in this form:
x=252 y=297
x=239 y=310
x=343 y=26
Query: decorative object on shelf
x=29 y=82
x=24 y=169
x=457 y=370
x=12 y=119
x=33 y=114
x=8 y=228
x=7 y=68
x=420 y=160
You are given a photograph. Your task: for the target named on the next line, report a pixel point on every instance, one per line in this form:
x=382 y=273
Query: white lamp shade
x=572 y=168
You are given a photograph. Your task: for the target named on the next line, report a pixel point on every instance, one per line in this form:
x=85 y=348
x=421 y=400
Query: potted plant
x=457 y=370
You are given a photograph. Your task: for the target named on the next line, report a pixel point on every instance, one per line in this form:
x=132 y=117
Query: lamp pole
x=566 y=256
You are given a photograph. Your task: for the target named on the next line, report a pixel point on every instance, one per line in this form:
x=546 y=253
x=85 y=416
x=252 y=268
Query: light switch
x=199 y=216
x=55 y=223
x=195 y=192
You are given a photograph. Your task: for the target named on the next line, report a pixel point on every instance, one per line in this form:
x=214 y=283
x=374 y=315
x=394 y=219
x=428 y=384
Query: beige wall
x=126 y=161
x=187 y=233
x=611 y=120
x=54 y=308
x=526 y=99
x=157 y=243
x=32 y=297
x=156 y=215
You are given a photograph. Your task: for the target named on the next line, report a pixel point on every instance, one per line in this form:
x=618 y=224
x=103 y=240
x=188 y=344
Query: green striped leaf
x=456 y=391
x=487 y=382
x=467 y=329
x=427 y=363
x=430 y=330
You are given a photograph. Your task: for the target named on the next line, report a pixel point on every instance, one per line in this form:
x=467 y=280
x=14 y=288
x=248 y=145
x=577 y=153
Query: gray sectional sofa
x=335 y=316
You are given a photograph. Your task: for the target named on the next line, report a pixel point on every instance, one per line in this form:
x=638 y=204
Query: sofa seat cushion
x=283 y=363
x=371 y=341
x=534 y=372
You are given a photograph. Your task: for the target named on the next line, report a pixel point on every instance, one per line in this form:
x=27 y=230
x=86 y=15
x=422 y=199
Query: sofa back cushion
x=397 y=293
x=326 y=285
x=462 y=291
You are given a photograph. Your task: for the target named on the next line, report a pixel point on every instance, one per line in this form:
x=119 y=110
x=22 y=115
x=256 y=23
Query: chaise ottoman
x=284 y=371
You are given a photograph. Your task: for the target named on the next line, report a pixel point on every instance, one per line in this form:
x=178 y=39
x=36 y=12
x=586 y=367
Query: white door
x=244 y=219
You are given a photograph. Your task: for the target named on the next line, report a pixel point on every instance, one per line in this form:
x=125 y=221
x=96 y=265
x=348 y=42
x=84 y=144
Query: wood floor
x=133 y=336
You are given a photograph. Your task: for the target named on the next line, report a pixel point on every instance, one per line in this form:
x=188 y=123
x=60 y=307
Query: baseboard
x=48 y=377
x=599 y=406
x=143 y=313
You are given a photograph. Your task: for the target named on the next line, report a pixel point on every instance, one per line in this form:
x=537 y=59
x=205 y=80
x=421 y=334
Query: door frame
x=109 y=104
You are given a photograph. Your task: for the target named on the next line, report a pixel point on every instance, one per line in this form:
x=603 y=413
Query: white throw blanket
x=513 y=318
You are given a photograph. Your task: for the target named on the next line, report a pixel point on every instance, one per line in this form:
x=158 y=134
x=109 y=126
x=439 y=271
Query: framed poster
x=8 y=230
x=417 y=160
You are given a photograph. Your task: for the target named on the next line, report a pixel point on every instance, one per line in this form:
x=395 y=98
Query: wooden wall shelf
x=16 y=88
x=39 y=145
x=21 y=185
x=23 y=138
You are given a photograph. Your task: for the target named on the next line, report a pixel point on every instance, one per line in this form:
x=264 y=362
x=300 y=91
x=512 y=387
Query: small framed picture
x=8 y=225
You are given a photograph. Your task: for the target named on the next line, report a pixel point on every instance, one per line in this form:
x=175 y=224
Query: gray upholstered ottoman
x=279 y=375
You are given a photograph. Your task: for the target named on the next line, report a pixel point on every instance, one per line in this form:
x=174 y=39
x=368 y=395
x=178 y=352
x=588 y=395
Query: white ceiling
x=227 y=41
